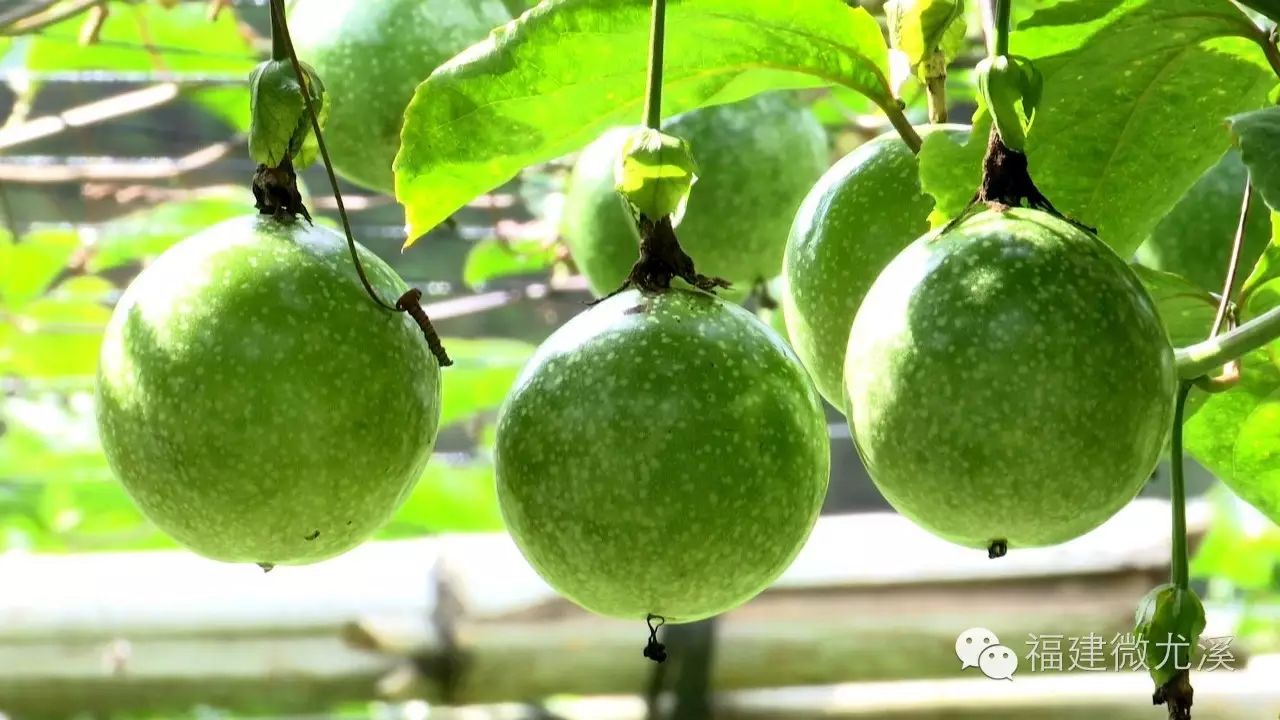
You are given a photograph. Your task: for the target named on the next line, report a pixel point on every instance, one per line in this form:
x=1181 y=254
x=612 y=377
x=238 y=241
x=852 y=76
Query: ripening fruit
x=256 y=403
x=662 y=454
x=371 y=55
x=862 y=213
x=756 y=160
x=1009 y=381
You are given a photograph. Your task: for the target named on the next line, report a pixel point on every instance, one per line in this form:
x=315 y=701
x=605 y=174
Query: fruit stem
x=1202 y=358
x=1002 y=14
x=409 y=301
x=653 y=92
x=1179 y=571
x=279 y=31
x=936 y=91
x=1233 y=267
x=893 y=110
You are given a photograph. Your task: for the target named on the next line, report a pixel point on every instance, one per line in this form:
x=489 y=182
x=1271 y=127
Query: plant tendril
x=410 y=302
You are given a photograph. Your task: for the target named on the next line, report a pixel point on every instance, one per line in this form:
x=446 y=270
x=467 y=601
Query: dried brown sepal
x=1176 y=695
x=662 y=260
x=1006 y=183
x=275 y=192
x=411 y=303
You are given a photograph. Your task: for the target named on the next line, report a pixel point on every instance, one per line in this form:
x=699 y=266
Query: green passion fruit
x=756 y=160
x=859 y=215
x=255 y=402
x=662 y=454
x=371 y=55
x=1009 y=382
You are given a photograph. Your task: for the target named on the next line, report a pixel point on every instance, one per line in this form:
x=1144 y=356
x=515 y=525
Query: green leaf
x=1259 y=137
x=951 y=168
x=1125 y=125
x=552 y=81
x=281 y=123
x=1241 y=546
x=27 y=267
x=1186 y=310
x=1195 y=238
x=58 y=339
x=147 y=233
x=493 y=258
x=450 y=497
x=482 y=373
x=1168 y=623
x=917 y=27
x=140 y=37
x=655 y=174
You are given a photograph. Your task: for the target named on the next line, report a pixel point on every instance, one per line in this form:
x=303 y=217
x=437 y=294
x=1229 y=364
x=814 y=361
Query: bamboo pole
x=463 y=620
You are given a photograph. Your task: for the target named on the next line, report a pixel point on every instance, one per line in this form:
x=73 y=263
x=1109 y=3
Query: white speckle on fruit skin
x=637 y=478
x=1010 y=380
x=250 y=393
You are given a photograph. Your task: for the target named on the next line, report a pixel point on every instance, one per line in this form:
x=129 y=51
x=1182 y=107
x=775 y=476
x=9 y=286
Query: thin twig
x=45 y=17
x=1237 y=245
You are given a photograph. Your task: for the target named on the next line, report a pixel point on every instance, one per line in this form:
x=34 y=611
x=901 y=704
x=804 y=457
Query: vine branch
x=409 y=302
x=1202 y=358
x=653 y=91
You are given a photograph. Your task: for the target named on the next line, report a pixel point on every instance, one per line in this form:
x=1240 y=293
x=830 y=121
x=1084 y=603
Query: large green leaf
x=1134 y=97
x=451 y=496
x=551 y=81
x=482 y=373
x=1236 y=434
x=27 y=267
x=146 y=37
x=1195 y=239
x=493 y=258
x=1259 y=133
x=147 y=233
x=57 y=339
x=1186 y=310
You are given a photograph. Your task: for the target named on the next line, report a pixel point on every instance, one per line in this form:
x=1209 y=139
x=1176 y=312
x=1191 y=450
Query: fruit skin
x=251 y=394
x=1009 y=380
x=858 y=217
x=1194 y=239
x=662 y=454
x=756 y=160
x=372 y=54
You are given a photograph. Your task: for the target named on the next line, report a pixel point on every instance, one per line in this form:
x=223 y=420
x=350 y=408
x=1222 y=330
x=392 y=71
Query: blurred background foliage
x=113 y=151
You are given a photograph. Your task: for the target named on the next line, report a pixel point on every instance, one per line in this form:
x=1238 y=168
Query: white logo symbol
x=979 y=647
x=998 y=662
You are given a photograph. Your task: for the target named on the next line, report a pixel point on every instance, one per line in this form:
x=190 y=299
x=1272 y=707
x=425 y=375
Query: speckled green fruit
x=1194 y=239
x=1009 y=380
x=372 y=54
x=862 y=213
x=662 y=454
x=756 y=160
x=256 y=403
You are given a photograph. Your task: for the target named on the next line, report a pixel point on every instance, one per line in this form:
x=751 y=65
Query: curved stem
x=936 y=87
x=1179 y=572
x=900 y=123
x=1001 y=19
x=1268 y=41
x=1204 y=357
x=653 y=94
